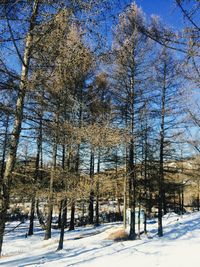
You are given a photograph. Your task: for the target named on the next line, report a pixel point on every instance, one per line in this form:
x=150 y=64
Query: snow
x=90 y=246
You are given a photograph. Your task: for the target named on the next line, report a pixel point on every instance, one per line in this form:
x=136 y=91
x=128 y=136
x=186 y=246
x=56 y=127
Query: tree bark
x=40 y=216
x=60 y=215
x=37 y=172
x=71 y=226
x=91 y=198
x=161 y=196
x=32 y=215
x=50 y=199
x=97 y=191
x=5 y=143
x=63 y=223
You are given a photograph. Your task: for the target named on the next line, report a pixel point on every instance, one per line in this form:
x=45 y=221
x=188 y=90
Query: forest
x=99 y=114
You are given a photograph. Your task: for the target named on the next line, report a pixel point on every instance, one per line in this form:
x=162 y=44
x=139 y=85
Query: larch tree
x=130 y=49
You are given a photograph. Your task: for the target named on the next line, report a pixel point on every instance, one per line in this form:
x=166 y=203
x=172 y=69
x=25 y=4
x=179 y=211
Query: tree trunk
x=50 y=199
x=198 y=202
x=50 y=209
x=5 y=143
x=40 y=216
x=37 y=165
x=132 y=191
x=182 y=200
x=91 y=208
x=125 y=202
x=91 y=198
x=97 y=191
x=63 y=223
x=32 y=215
x=145 y=177
x=5 y=186
x=161 y=197
x=71 y=226
x=60 y=215
x=139 y=212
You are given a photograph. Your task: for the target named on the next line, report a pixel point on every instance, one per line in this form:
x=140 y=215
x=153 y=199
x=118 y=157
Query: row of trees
x=84 y=110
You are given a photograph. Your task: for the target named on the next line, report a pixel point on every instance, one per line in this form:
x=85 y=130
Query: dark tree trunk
x=161 y=196
x=145 y=176
x=4 y=205
x=63 y=205
x=145 y=222
x=60 y=215
x=198 y=196
x=63 y=223
x=50 y=209
x=125 y=202
x=50 y=199
x=97 y=190
x=91 y=198
x=91 y=208
x=5 y=144
x=139 y=212
x=150 y=203
x=161 y=180
x=97 y=211
x=182 y=200
x=164 y=200
x=32 y=215
x=40 y=216
x=37 y=173
x=132 y=191
x=71 y=226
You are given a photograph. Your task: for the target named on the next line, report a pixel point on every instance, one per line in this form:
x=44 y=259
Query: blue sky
x=164 y=8
x=167 y=10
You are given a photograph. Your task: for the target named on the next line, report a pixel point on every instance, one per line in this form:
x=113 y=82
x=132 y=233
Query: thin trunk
x=91 y=198
x=50 y=198
x=131 y=162
x=5 y=143
x=50 y=209
x=97 y=191
x=125 y=177
x=60 y=215
x=139 y=212
x=125 y=202
x=40 y=216
x=182 y=200
x=64 y=216
x=161 y=197
x=179 y=200
x=32 y=215
x=71 y=226
x=150 y=203
x=198 y=196
x=37 y=174
x=132 y=194
x=5 y=186
x=63 y=210
x=145 y=177
x=83 y=208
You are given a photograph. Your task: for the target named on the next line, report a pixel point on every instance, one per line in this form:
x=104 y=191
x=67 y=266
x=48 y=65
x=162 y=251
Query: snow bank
x=90 y=247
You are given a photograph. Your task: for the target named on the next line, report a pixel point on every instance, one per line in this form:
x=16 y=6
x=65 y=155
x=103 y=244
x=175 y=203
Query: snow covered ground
x=90 y=247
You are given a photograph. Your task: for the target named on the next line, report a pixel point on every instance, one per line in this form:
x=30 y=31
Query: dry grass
x=119 y=235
